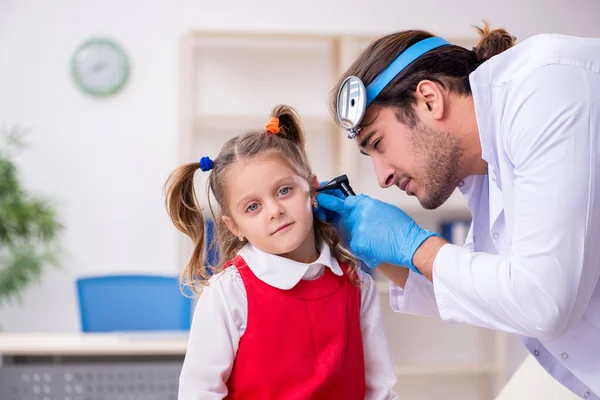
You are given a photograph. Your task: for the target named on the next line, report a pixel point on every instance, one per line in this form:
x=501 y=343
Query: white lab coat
x=532 y=259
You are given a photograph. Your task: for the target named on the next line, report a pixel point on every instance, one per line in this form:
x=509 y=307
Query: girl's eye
x=284 y=191
x=252 y=207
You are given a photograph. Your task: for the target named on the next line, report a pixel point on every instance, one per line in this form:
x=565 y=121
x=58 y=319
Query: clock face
x=100 y=67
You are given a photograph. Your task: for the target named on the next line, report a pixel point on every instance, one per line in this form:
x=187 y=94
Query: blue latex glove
x=334 y=218
x=379 y=231
x=327 y=215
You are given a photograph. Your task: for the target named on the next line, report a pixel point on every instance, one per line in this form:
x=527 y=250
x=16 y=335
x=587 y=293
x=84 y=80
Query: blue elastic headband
x=402 y=61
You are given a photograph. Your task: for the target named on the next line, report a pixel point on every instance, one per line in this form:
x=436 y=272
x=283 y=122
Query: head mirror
x=351 y=105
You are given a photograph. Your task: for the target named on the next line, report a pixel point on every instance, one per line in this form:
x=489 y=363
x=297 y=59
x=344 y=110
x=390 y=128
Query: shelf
x=254 y=122
x=287 y=42
x=251 y=75
x=453 y=369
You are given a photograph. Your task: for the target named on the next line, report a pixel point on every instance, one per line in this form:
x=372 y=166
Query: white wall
x=105 y=161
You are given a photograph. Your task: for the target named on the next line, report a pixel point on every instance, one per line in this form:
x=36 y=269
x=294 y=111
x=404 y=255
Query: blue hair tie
x=206 y=164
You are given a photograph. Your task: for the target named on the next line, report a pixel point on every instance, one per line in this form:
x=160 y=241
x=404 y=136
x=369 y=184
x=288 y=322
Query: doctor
x=517 y=129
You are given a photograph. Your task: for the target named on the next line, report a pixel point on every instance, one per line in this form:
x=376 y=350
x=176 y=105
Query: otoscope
x=339 y=182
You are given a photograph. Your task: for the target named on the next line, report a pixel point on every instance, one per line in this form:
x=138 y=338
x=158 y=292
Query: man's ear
x=430 y=99
x=232 y=226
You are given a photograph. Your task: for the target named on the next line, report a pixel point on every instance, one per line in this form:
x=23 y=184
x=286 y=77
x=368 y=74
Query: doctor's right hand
x=379 y=232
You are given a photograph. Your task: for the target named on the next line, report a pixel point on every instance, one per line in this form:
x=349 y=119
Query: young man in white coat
x=517 y=129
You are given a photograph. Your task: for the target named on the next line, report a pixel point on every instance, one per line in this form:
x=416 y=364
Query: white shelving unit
x=229 y=82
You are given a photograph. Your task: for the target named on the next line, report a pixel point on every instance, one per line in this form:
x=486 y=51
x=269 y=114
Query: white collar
x=481 y=91
x=281 y=272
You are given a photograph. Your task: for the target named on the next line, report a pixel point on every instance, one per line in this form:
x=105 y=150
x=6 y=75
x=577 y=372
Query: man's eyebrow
x=364 y=142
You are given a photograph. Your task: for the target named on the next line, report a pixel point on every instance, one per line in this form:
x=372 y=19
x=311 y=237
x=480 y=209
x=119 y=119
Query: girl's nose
x=275 y=209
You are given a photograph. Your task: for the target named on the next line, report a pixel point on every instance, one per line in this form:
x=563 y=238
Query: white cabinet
x=229 y=82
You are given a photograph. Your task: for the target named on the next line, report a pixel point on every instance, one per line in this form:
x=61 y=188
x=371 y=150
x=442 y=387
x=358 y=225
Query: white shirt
x=532 y=260
x=222 y=311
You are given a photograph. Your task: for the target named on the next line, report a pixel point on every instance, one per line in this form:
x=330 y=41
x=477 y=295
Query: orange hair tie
x=273 y=126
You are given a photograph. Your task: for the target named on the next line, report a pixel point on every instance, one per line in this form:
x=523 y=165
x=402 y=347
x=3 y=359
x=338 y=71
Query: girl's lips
x=283 y=227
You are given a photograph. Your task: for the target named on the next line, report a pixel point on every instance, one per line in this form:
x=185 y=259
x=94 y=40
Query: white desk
x=92 y=344
x=70 y=358
x=99 y=366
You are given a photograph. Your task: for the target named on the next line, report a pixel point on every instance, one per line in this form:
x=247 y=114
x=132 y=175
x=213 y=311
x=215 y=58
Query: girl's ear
x=232 y=226
x=314 y=184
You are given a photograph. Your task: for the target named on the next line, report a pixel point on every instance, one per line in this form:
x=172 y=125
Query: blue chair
x=211 y=253
x=455 y=231
x=128 y=303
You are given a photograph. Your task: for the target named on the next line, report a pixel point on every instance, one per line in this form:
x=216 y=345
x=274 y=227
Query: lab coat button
x=496 y=235
x=586 y=395
x=564 y=356
x=536 y=353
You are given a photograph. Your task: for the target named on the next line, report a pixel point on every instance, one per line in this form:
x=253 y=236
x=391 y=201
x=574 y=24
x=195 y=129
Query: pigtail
x=185 y=213
x=290 y=124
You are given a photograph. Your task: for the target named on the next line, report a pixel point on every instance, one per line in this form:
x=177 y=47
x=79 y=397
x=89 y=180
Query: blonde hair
x=183 y=209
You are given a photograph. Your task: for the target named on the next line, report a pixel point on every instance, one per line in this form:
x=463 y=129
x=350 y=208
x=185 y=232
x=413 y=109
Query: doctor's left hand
x=326 y=215
x=379 y=231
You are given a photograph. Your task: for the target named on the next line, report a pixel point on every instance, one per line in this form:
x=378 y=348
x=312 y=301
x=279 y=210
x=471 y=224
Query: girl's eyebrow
x=283 y=179
x=243 y=200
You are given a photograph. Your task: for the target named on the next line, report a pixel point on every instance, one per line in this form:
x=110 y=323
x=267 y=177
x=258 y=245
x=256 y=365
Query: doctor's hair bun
x=492 y=42
x=290 y=124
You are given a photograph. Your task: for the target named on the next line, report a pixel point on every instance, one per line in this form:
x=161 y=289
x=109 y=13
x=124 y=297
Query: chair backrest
x=132 y=303
x=211 y=251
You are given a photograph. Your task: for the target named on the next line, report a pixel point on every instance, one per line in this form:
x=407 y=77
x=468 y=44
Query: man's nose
x=386 y=174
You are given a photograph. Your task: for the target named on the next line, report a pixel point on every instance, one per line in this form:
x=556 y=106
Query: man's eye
x=376 y=143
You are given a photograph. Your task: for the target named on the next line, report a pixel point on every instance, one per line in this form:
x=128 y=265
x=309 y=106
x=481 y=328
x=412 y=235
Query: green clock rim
x=112 y=89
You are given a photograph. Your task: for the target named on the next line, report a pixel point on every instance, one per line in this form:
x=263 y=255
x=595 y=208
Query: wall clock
x=100 y=67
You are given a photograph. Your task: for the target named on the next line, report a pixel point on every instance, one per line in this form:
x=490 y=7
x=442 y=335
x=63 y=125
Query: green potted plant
x=29 y=229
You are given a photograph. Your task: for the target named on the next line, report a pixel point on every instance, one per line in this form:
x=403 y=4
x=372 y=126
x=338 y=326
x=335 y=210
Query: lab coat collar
x=281 y=272
x=482 y=88
x=480 y=82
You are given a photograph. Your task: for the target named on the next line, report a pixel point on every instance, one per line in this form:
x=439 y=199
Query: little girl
x=287 y=315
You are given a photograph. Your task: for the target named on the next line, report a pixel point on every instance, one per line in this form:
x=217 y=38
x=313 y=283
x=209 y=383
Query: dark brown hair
x=182 y=204
x=449 y=66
